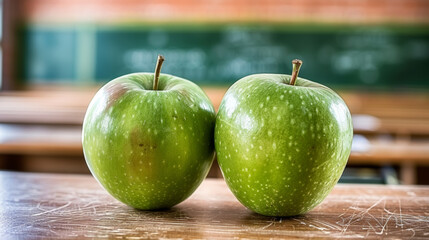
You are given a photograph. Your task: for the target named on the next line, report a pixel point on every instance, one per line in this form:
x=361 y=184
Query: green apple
x=148 y=138
x=281 y=145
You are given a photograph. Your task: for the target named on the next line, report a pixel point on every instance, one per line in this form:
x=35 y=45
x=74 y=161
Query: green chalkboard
x=48 y=55
x=353 y=57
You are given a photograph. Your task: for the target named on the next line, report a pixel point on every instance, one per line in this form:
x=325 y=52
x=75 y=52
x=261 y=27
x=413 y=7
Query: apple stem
x=157 y=72
x=296 y=65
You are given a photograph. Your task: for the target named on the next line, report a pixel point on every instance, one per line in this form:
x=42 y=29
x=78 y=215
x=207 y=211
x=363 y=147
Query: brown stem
x=157 y=72
x=296 y=65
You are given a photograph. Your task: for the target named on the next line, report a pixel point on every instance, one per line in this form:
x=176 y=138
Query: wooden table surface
x=40 y=206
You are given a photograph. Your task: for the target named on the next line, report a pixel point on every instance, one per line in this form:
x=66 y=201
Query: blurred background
x=375 y=54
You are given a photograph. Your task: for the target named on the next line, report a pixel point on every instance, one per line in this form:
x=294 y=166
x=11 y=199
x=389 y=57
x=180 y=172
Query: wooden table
x=40 y=206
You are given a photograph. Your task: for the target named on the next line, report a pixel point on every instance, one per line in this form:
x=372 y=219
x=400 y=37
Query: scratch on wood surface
x=412 y=230
x=360 y=215
x=327 y=224
x=400 y=214
x=381 y=221
x=267 y=226
x=52 y=210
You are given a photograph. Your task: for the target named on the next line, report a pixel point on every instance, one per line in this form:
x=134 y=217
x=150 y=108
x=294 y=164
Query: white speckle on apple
x=270 y=133
x=274 y=146
x=261 y=105
x=268 y=98
x=279 y=117
x=282 y=96
x=260 y=147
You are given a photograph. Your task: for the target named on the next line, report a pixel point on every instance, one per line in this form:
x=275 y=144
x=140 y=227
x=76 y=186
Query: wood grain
x=40 y=206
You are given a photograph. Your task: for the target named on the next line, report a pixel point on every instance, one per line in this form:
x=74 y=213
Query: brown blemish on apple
x=143 y=157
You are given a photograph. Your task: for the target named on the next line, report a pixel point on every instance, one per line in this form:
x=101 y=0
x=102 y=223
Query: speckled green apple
x=149 y=148
x=282 y=147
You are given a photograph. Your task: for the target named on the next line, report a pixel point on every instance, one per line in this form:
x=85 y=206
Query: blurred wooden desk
x=66 y=140
x=40 y=206
x=54 y=118
x=62 y=141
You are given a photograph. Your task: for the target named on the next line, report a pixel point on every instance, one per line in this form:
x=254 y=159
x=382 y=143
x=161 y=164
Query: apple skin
x=149 y=149
x=282 y=148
